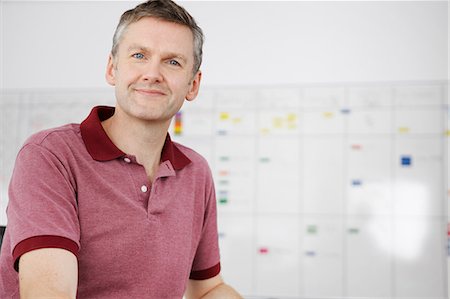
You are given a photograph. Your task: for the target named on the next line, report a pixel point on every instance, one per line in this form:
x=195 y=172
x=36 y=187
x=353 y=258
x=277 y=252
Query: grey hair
x=166 y=10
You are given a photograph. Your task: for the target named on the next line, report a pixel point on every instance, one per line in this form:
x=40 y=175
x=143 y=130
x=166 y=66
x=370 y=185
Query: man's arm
x=212 y=288
x=48 y=273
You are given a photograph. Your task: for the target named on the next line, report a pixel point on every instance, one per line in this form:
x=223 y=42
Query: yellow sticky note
x=237 y=120
x=224 y=116
x=264 y=131
x=292 y=117
x=178 y=130
x=328 y=114
x=277 y=122
x=403 y=130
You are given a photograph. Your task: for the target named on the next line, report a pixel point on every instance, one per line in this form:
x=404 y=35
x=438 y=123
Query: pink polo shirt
x=72 y=188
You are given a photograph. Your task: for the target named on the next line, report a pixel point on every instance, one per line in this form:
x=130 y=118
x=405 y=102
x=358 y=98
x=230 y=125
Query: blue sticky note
x=405 y=160
x=448 y=247
x=310 y=253
x=356 y=182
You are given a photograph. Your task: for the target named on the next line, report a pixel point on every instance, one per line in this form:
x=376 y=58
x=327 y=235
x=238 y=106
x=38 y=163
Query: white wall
x=66 y=43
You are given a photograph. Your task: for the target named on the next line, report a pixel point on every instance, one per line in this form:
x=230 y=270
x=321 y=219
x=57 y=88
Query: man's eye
x=138 y=55
x=174 y=62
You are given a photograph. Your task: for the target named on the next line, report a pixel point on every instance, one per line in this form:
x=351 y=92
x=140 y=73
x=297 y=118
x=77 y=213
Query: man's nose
x=152 y=72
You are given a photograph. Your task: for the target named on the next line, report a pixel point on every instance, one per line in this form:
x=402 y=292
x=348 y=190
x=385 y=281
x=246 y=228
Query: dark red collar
x=101 y=148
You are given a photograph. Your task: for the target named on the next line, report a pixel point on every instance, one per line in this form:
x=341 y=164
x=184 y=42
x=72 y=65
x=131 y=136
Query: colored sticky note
x=277 y=122
x=311 y=229
x=403 y=130
x=310 y=253
x=405 y=160
x=264 y=159
x=264 y=131
x=263 y=250
x=223 y=193
x=328 y=114
x=292 y=117
x=223 y=172
x=356 y=182
x=224 y=116
x=223 y=200
x=178 y=128
x=236 y=120
x=353 y=230
x=448 y=246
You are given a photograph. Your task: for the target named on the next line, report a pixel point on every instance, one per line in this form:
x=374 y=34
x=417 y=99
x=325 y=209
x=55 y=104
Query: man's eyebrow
x=147 y=50
x=138 y=47
x=176 y=55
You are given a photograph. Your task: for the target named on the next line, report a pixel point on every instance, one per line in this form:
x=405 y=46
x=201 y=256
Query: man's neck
x=142 y=139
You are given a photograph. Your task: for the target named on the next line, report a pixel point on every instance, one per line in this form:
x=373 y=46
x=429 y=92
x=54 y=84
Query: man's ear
x=110 y=74
x=194 y=87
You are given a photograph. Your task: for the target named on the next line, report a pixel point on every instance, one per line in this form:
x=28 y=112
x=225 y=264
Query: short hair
x=166 y=10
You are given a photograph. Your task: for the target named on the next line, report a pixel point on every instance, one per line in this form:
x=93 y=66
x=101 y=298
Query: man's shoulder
x=54 y=137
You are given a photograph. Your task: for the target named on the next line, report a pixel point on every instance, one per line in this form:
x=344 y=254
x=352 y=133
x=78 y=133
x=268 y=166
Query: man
x=112 y=208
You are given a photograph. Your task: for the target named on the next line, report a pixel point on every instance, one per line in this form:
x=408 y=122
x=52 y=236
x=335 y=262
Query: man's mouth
x=151 y=92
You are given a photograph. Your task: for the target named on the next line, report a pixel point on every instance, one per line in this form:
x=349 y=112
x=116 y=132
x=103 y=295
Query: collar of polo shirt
x=101 y=148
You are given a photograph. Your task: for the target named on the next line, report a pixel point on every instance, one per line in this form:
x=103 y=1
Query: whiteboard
x=323 y=190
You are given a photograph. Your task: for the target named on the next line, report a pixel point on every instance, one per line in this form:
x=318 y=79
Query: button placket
x=154 y=201
x=139 y=176
x=144 y=188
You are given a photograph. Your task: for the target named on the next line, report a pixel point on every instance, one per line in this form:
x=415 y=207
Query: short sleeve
x=42 y=208
x=207 y=258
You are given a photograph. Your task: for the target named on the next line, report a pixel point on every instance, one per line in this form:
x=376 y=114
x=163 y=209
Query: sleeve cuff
x=205 y=274
x=40 y=242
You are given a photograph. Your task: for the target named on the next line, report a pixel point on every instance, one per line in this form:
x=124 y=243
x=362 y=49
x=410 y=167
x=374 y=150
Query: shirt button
x=144 y=188
x=127 y=160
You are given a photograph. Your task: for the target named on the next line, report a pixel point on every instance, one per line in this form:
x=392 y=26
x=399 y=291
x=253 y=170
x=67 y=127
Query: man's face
x=152 y=69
